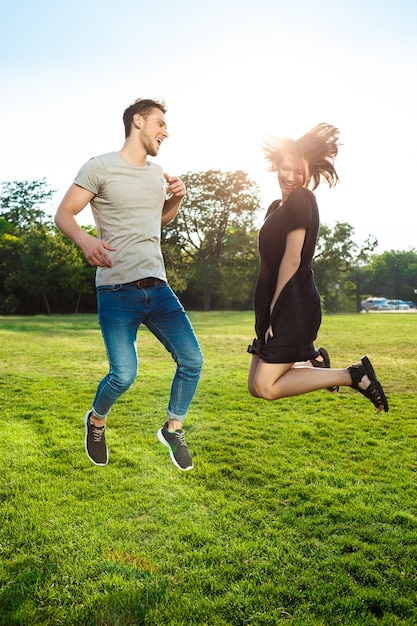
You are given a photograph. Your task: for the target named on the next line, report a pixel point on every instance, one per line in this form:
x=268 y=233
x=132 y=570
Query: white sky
x=231 y=72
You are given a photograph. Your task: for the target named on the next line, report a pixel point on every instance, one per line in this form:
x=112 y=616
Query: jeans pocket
x=108 y=288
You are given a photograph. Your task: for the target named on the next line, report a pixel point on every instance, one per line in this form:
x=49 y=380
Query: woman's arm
x=289 y=265
x=290 y=261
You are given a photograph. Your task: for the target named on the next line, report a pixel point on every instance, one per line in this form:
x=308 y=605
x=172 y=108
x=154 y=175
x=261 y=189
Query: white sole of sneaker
x=162 y=439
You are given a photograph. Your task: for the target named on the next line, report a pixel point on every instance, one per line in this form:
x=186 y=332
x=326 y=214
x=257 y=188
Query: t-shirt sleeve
x=91 y=175
x=301 y=206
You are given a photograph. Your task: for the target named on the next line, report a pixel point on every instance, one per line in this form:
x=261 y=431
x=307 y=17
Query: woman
x=287 y=303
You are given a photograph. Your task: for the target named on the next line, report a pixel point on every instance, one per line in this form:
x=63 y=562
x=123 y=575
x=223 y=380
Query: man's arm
x=177 y=190
x=94 y=249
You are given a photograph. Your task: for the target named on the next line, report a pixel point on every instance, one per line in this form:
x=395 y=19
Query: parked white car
x=377 y=304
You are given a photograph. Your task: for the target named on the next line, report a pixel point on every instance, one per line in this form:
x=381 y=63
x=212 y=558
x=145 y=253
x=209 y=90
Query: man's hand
x=94 y=251
x=175 y=186
x=176 y=189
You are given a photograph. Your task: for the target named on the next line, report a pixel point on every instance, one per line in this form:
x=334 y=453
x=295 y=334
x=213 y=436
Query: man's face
x=153 y=131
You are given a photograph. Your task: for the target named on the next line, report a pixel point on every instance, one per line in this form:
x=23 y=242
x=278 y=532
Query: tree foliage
x=22 y=203
x=50 y=266
x=210 y=251
x=392 y=274
x=40 y=270
x=213 y=238
x=336 y=257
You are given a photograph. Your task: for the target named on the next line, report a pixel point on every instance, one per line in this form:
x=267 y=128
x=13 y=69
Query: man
x=127 y=194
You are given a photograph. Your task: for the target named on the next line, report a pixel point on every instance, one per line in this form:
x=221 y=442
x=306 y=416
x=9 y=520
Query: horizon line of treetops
x=210 y=252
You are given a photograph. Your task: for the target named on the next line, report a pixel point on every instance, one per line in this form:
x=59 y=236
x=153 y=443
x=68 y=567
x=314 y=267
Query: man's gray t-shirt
x=127 y=210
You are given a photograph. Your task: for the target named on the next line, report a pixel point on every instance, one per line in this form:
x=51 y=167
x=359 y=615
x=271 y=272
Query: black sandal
x=374 y=391
x=324 y=363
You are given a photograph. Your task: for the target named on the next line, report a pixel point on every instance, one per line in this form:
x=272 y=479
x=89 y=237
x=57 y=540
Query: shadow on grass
x=117 y=594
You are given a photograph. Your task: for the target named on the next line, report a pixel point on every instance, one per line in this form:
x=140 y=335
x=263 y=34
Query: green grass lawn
x=301 y=511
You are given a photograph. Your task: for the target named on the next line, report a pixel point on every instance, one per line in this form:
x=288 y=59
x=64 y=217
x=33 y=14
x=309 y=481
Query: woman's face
x=292 y=173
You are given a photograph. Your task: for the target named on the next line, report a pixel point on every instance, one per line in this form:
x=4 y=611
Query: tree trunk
x=46 y=303
x=206 y=299
x=77 y=304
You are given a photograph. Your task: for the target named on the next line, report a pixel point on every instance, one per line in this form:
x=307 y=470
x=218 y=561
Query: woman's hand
x=269 y=333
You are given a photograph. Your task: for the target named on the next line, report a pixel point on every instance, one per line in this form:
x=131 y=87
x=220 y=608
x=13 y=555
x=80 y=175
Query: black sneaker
x=178 y=451
x=95 y=442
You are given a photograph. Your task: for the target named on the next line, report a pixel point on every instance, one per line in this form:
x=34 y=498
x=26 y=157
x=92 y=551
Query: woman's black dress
x=296 y=316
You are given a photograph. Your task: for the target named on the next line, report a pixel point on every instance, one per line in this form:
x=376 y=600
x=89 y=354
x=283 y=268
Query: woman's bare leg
x=281 y=380
x=256 y=375
x=252 y=375
x=272 y=381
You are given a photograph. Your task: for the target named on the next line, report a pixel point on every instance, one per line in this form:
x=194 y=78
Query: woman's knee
x=252 y=388
x=265 y=392
x=253 y=392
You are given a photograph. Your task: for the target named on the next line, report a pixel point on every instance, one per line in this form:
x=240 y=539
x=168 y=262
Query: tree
x=9 y=259
x=81 y=281
x=50 y=268
x=39 y=268
x=337 y=255
x=21 y=203
x=239 y=270
x=210 y=251
x=213 y=234
x=392 y=274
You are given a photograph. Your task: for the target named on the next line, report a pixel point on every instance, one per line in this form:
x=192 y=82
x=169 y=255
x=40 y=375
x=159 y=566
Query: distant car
x=410 y=303
x=377 y=304
x=399 y=304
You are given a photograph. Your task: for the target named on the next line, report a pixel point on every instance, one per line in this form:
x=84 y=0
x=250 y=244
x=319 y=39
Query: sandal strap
x=326 y=359
x=325 y=363
x=357 y=372
x=374 y=391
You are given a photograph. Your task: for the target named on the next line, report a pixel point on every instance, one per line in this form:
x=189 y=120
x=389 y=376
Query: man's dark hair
x=143 y=107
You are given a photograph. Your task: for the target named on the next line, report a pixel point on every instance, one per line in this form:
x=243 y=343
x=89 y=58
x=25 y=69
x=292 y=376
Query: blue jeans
x=121 y=310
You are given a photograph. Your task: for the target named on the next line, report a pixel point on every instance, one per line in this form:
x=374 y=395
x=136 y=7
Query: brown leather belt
x=146 y=282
